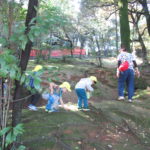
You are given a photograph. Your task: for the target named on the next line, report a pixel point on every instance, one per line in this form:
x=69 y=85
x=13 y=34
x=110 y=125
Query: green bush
x=11 y=134
x=140 y=83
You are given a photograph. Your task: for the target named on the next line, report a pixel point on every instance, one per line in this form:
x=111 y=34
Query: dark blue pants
x=35 y=98
x=126 y=77
x=82 y=98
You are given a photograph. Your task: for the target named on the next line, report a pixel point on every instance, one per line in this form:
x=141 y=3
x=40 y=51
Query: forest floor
x=109 y=125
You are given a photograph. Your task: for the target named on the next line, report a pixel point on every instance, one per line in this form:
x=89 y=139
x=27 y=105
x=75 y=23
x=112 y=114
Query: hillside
x=110 y=124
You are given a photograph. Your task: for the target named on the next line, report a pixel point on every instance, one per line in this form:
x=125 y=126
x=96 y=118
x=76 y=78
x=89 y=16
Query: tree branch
x=111 y=14
x=100 y=6
x=143 y=31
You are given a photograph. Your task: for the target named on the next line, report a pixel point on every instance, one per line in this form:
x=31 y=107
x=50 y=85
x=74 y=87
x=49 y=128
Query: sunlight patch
x=69 y=65
x=52 y=66
x=71 y=107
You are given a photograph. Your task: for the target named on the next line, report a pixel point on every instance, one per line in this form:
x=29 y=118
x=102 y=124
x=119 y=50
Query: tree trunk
x=144 y=51
x=49 y=53
x=116 y=27
x=124 y=23
x=140 y=39
x=82 y=40
x=17 y=106
x=10 y=23
x=1 y=101
x=146 y=13
x=64 y=58
x=99 y=53
x=10 y=18
x=71 y=52
x=71 y=46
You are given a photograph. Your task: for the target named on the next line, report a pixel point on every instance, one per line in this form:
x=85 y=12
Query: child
x=35 y=93
x=81 y=87
x=55 y=96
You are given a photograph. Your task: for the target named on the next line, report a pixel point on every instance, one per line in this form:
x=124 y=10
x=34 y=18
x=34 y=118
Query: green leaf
x=32 y=21
x=49 y=79
x=12 y=73
x=3 y=41
x=39 y=73
x=3 y=73
x=18 y=129
x=31 y=37
x=23 y=78
x=27 y=81
x=23 y=42
x=21 y=147
x=18 y=76
x=37 y=33
x=10 y=138
x=57 y=79
x=12 y=135
x=22 y=37
x=4 y=131
x=37 y=83
x=9 y=58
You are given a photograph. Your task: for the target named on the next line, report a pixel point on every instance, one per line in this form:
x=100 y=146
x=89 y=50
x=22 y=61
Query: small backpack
x=124 y=66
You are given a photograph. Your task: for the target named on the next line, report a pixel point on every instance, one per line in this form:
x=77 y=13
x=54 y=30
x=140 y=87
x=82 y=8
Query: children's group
x=55 y=92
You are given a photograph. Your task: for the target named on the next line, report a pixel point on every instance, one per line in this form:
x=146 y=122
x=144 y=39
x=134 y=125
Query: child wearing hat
x=81 y=88
x=35 y=92
x=55 y=96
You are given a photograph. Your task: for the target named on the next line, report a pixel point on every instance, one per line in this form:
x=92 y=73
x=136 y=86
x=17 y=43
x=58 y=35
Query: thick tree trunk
x=146 y=13
x=70 y=41
x=17 y=106
x=116 y=28
x=124 y=23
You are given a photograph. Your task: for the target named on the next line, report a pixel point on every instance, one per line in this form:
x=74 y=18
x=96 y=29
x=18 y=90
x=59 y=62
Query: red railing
x=58 y=53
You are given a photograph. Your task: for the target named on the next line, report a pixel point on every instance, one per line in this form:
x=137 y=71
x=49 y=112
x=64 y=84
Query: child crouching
x=55 y=96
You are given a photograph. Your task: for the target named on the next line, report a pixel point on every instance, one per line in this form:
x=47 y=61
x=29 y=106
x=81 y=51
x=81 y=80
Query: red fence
x=58 y=53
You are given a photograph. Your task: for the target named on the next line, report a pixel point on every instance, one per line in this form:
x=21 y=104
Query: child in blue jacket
x=35 y=94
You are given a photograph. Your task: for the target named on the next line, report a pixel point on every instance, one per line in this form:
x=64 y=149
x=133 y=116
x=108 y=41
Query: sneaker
x=50 y=111
x=32 y=107
x=120 y=98
x=130 y=100
x=86 y=109
x=46 y=110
